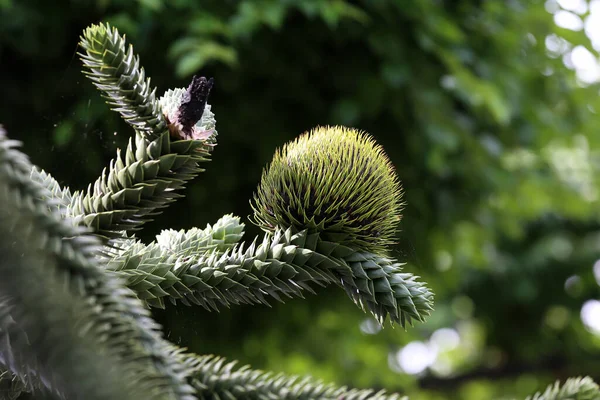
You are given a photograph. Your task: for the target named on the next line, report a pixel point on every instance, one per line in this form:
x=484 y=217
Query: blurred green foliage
x=494 y=139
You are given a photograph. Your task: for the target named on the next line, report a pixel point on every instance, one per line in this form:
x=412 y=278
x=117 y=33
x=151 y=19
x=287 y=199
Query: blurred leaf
x=63 y=133
x=207 y=24
x=192 y=55
x=154 y=5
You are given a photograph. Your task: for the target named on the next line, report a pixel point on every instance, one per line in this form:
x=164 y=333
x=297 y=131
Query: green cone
x=334 y=180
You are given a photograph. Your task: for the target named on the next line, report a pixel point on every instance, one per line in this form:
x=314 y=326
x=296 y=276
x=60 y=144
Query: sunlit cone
x=334 y=180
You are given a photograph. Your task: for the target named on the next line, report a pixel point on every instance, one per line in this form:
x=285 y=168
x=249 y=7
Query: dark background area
x=478 y=106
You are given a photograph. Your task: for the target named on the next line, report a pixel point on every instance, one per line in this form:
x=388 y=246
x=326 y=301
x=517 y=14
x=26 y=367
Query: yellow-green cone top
x=334 y=180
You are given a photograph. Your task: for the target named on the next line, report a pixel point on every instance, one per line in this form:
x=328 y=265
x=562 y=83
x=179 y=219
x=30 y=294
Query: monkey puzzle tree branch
x=282 y=265
x=57 y=196
x=214 y=377
x=64 y=321
x=133 y=189
x=574 y=388
x=198 y=274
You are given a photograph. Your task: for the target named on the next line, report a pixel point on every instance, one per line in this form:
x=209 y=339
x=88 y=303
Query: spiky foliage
x=196 y=271
x=378 y=284
x=189 y=267
x=59 y=196
x=133 y=189
x=332 y=180
x=215 y=378
x=63 y=320
x=573 y=389
x=16 y=373
x=11 y=386
x=116 y=71
x=220 y=237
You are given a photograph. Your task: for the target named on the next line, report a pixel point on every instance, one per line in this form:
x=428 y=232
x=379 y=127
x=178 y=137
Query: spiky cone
x=338 y=185
x=336 y=181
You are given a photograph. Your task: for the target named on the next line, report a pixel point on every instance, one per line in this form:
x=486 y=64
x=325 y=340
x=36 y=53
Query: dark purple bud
x=193 y=102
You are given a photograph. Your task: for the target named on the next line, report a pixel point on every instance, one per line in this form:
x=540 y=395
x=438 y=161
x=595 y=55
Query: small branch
x=214 y=377
x=281 y=265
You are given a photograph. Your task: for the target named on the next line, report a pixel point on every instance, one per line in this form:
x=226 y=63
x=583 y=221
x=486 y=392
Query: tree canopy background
x=481 y=107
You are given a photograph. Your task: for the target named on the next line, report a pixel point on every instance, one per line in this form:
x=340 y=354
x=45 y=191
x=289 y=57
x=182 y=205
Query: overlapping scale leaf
x=17 y=374
x=376 y=283
x=57 y=196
